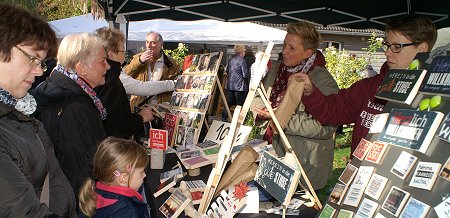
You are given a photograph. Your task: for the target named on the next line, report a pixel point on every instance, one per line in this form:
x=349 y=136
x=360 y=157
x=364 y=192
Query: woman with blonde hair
x=69 y=107
x=118 y=173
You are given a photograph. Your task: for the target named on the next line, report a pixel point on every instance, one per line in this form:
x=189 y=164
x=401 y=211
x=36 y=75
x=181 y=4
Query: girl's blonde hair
x=79 y=47
x=113 y=155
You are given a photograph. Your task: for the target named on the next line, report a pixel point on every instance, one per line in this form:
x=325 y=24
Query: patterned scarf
x=281 y=80
x=86 y=88
x=26 y=105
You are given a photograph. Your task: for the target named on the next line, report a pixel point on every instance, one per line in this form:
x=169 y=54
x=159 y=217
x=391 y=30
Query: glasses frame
x=397 y=46
x=41 y=64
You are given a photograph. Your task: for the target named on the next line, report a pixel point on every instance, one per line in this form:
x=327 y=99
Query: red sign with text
x=158 y=139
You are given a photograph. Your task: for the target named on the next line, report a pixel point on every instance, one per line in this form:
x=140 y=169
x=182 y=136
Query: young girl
x=118 y=170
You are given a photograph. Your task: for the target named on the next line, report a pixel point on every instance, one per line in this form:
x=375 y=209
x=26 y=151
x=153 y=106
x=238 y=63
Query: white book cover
x=404 y=164
x=367 y=208
x=252 y=196
x=395 y=201
x=358 y=186
x=379 y=215
x=378 y=123
x=376 y=186
x=425 y=175
x=415 y=209
x=442 y=209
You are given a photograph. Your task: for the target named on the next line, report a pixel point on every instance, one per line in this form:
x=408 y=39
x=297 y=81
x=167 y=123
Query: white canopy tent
x=200 y=31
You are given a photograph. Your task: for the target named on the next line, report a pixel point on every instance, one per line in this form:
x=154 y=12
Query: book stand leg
x=288 y=146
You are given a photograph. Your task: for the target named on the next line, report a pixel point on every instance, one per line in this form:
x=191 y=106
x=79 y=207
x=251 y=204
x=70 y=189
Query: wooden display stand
x=237 y=120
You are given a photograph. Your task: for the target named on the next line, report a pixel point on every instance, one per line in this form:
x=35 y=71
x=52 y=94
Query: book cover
x=196 y=197
x=415 y=209
x=356 y=190
x=211 y=151
x=437 y=79
x=403 y=165
x=177 y=172
x=215 y=208
x=223 y=207
x=411 y=129
x=207 y=144
x=425 y=175
x=179 y=139
x=376 y=186
x=327 y=211
x=395 y=201
x=174 y=205
x=189 y=154
x=362 y=149
x=337 y=194
x=158 y=139
x=348 y=174
x=445 y=172
x=444 y=130
x=367 y=208
x=282 y=180
x=400 y=85
x=170 y=124
x=442 y=209
x=379 y=215
x=376 y=151
x=345 y=214
x=164 y=186
x=191 y=136
x=379 y=120
x=195 y=185
x=196 y=162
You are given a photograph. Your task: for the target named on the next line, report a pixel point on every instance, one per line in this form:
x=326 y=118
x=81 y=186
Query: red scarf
x=281 y=82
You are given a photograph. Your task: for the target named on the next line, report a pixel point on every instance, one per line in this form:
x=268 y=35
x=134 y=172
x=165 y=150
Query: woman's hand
x=263 y=113
x=309 y=87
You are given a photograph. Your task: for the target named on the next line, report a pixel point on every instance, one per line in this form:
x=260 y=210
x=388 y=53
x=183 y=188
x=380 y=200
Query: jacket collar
x=125 y=191
x=5 y=110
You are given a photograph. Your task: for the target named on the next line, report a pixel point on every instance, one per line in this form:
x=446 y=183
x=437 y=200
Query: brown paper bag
x=290 y=102
x=242 y=163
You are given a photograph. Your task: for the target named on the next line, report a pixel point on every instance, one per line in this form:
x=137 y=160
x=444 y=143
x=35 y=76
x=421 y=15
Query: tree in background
x=344 y=67
x=53 y=9
x=58 y=9
x=178 y=53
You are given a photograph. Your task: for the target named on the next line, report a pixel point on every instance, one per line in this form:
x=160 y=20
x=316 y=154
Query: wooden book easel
x=236 y=122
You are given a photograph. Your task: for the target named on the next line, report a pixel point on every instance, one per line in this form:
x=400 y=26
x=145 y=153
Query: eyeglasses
x=121 y=51
x=396 y=48
x=34 y=61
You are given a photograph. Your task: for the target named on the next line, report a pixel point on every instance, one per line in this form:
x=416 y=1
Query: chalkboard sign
x=277 y=178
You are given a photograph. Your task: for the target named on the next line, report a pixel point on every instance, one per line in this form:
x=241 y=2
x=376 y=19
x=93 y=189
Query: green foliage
x=344 y=67
x=58 y=9
x=178 y=54
x=50 y=9
x=344 y=140
x=250 y=121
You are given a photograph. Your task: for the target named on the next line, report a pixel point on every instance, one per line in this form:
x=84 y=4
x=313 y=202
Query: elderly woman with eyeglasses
x=32 y=183
x=69 y=107
x=405 y=37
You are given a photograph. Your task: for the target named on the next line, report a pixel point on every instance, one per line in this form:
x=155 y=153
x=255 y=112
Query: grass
x=341 y=156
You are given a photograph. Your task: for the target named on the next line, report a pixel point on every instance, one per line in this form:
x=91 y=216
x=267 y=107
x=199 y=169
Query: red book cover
x=171 y=125
x=362 y=149
x=158 y=139
x=376 y=151
x=196 y=197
